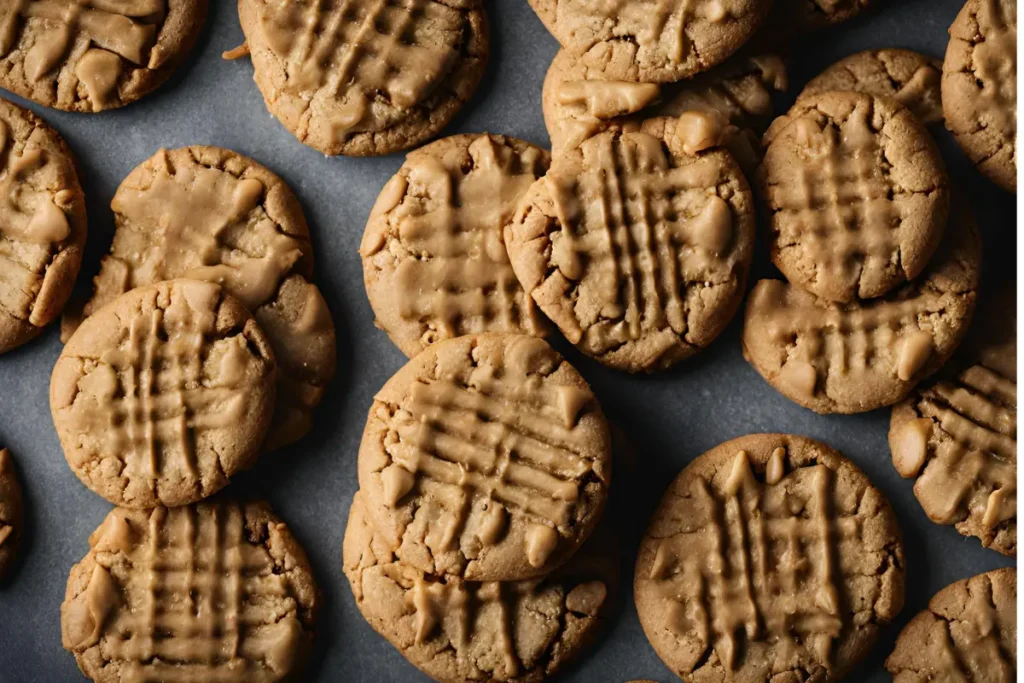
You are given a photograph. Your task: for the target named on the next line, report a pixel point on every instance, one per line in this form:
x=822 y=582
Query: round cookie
x=368 y=77
x=637 y=243
x=42 y=225
x=486 y=457
x=102 y=55
x=852 y=358
x=979 y=87
x=968 y=633
x=656 y=41
x=770 y=557
x=163 y=394
x=909 y=77
x=11 y=512
x=958 y=437
x=434 y=258
x=207 y=213
x=858 y=195
x=454 y=630
x=213 y=592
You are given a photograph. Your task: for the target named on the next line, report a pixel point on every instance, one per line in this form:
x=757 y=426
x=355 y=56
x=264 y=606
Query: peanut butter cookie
x=434 y=258
x=771 y=557
x=11 y=512
x=163 y=394
x=367 y=77
x=486 y=457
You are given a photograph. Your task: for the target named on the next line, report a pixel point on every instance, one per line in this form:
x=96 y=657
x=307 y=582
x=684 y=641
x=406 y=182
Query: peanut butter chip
x=914 y=354
x=699 y=131
x=776 y=467
x=541 y=541
x=608 y=99
x=910 y=449
x=99 y=71
x=800 y=376
x=396 y=482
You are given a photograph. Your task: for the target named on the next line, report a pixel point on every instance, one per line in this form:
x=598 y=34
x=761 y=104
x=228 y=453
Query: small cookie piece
x=11 y=512
x=979 y=87
x=454 y=630
x=958 y=438
x=486 y=457
x=163 y=394
x=92 y=56
x=968 y=633
x=637 y=243
x=770 y=557
x=434 y=258
x=368 y=77
x=42 y=224
x=909 y=77
x=852 y=358
x=212 y=592
x=651 y=41
x=858 y=194
x=207 y=213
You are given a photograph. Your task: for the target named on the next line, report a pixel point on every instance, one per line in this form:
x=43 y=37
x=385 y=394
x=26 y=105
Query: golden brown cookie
x=455 y=630
x=365 y=77
x=858 y=195
x=42 y=225
x=909 y=77
x=852 y=358
x=163 y=394
x=486 y=457
x=979 y=87
x=770 y=557
x=213 y=592
x=434 y=258
x=958 y=437
x=91 y=55
x=637 y=243
x=208 y=213
x=652 y=41
x=11 y=512
x=968 y=633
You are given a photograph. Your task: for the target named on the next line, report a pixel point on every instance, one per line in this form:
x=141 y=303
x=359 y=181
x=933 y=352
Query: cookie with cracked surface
x=163 y=394
x=434 y=260
x=968 y=633
x=979 y=87
x=92 y=55
x=858 y=195
x=229 y=596
x=637 y=242
x=958 y=437
x=852 y=358
x=42 y=225
x=770 y=557
x=486 y=457
x=207 y=213
x=455 y=630
x=11 y=512
x=911 y=78
x=652 y=41
x=368 y=77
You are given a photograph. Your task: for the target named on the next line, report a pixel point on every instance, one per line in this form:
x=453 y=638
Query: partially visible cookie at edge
x=11 y=512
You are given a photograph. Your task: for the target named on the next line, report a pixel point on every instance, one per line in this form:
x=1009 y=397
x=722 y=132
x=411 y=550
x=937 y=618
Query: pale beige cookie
x=958 y=437
x=163 y=394
x=968 y=633
x=208 y=213
x=858 y=195
x=365 y=77
x=486 y=457
x=653 y=41
x=771 y=557
x=455 y=630
x=637 y=243
x=909 y=77
x=212 y=592
x=979 y=87
x=42 y=225
x=852 y=358
x=91 y=55
x=434 y=258
x=12 y=516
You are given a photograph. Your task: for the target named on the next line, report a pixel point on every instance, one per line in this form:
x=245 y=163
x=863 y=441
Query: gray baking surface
x=669 y=418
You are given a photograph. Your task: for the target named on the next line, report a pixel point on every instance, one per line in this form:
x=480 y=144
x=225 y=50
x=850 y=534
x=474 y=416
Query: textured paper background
x=670 y=418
